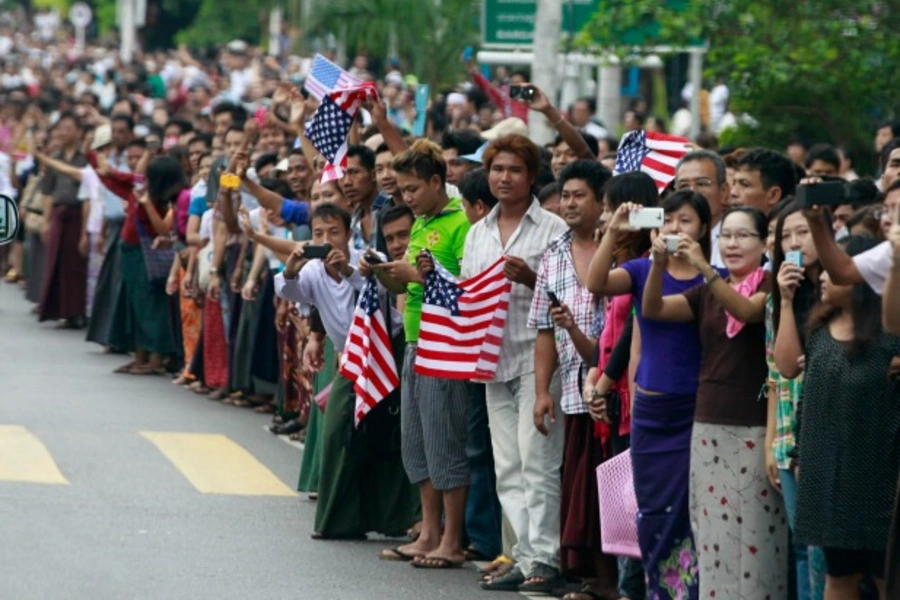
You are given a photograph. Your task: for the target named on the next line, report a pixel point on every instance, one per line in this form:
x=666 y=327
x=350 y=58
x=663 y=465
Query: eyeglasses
x=743 y=237
x=686 y=184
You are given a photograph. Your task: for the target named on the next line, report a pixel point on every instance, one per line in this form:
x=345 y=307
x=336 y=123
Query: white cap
x=102 y=137
x=455 y=98
x=509 y=126
x=282 y=166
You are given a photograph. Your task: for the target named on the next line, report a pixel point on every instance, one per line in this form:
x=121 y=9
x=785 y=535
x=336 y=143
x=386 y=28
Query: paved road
x=100 y=491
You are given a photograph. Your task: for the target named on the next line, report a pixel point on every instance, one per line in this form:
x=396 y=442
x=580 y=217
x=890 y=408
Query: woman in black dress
x=848 y=422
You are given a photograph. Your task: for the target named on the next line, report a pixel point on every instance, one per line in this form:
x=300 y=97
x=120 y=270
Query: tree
x=428 y=35
x=821 y=68
x=220 y=21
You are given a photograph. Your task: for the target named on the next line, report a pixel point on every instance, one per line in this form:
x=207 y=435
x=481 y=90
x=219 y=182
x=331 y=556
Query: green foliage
x=427 y=36
x=818 y=67
x=219 y=21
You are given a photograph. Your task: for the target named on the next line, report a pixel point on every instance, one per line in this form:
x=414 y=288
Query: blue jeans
x=483 y=516
x=810 y=560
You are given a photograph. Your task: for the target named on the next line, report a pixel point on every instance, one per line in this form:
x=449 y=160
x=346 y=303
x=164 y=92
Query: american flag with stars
x=656 y=154
x=325 y=76
x=331 y=124
x=368 y=358
x=462 y=324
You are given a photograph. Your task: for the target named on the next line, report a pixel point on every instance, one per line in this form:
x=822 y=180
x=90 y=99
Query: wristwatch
x=711 y=278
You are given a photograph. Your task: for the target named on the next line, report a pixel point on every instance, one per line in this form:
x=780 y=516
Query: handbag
x=204 y=260
x=158 y=261
x=618 y=507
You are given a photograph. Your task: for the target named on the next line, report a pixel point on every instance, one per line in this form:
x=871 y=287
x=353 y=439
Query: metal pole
x=547 y=28
x=695 y=68
x=609 y=94
x=128 y=31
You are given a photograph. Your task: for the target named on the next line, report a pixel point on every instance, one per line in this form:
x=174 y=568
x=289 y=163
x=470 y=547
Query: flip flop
x=508 y=582
x=435 y=562
x=125 y=369
x=396 y=554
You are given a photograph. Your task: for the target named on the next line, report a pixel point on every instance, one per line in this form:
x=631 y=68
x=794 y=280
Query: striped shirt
x=529 y=242
x=787 y=394
x=557 y=274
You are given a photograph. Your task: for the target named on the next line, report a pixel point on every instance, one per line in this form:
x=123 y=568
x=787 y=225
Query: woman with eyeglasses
x=736 y=515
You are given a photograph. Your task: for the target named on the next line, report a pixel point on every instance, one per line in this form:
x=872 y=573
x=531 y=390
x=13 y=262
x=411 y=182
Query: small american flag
x=325 y=76
x=330 y=173
x=462 y=324
x=656 y=154
x=368 y=358
x=331 y=123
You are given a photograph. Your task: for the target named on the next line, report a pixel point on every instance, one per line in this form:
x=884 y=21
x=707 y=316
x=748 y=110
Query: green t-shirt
x=445 y=236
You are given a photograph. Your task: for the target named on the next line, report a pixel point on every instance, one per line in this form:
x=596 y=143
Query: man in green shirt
x=432 y=410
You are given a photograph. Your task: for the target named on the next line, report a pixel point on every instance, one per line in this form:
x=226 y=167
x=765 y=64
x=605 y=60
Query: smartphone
x=373 y=259
x=672 y=243
x=554 y=301
x=647 y=218
x=525 y=93
x=467 y=54
x=826 y=193
x=314 y=251
x=794 y=256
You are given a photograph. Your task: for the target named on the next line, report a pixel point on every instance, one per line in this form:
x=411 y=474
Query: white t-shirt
x=874 y=265
x=279 y=232
x=206 y=222
x=89 y=191
x=336 y=300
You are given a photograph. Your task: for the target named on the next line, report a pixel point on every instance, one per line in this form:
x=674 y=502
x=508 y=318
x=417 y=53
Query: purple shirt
x=670 y=352
x=182 y=212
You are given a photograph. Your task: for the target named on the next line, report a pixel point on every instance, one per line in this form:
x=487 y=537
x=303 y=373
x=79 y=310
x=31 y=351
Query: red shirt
x=123 y=185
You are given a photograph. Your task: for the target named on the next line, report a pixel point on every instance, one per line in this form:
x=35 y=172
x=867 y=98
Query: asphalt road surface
x=126 y=487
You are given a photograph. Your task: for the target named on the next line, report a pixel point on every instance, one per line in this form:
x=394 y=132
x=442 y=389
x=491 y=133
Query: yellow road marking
x=23 y=457
x=216 y=465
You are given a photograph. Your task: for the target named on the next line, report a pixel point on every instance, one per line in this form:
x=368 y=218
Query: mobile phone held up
x=646 y=218
x=794 y=256
x=312 y=251
x=825 y=193
x=373 y=259
x=525 y=93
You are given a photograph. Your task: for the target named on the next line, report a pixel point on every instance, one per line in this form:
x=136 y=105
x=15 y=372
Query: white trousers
x=528 y=469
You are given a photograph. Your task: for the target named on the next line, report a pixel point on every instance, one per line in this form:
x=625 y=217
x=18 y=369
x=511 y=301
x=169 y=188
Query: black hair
x=635 y=186
x=238 y=113
x=382 y=148
x=810 y=289
x=798 y=139
x=592 y=104
x=638 y=187
x=165 y=180
x=893 y=187
x=886 y=150
x=477 y=97
x=72 y=117
x=232 y=129
x=184 y=126
x=474 y=186
x=328 y=211
x=865 y=304
x=611 y=143
x=365 y=154
x=698 y=202
x=521 y=73
x=825 y=153
x=591 y=172
x=868 y=217
x=129 y=122
x=396 y=213
x=135 y=109
x=893 y=124
x=774 y=169
x=203 y=138
x=137 y=143
x=464 y=141
x=548 y=191
x=279 y=186
x=759 y=219
x=590 y=140
x=265 y=160
x=862 y=192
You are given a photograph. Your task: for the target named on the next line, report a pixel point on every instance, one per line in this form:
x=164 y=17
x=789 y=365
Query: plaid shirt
x=557 y=274
x=788 y=394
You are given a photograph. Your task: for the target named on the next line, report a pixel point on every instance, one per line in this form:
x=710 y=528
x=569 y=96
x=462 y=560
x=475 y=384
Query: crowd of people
x=744 y=353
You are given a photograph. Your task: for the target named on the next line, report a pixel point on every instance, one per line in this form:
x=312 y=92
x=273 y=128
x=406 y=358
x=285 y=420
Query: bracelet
x=711 y=279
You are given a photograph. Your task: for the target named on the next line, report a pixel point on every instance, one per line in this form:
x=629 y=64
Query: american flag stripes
x=656 y=154
x=368 y=358
x=331 y=123
x=325 y=76
x=462 y=324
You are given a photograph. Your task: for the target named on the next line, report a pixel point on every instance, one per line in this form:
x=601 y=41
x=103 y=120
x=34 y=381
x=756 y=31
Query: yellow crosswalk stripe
x=216 y=465
x=23 y=457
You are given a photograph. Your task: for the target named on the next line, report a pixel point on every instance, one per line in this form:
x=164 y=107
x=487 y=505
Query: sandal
x=126 y=368
x=218 y=394
x=146 y=369
x=548 y=579
x=500 y=566
x=264 y=409
x=396 y=554
x=436 y=562
x=508 y=582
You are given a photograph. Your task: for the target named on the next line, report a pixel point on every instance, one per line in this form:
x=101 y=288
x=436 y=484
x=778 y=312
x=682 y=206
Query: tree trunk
x=547 y=30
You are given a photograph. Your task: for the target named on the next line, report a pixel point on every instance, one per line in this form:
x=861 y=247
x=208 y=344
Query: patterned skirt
x=295 y=380
x=215 y=346
x=739 y=522
x=191 y=315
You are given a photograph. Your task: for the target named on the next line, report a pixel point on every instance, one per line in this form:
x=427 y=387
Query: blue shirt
x=670 y=352
x=295 y=211
x=198 y=206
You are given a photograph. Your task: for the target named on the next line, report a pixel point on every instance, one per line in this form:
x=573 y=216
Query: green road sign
x=507 y=23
